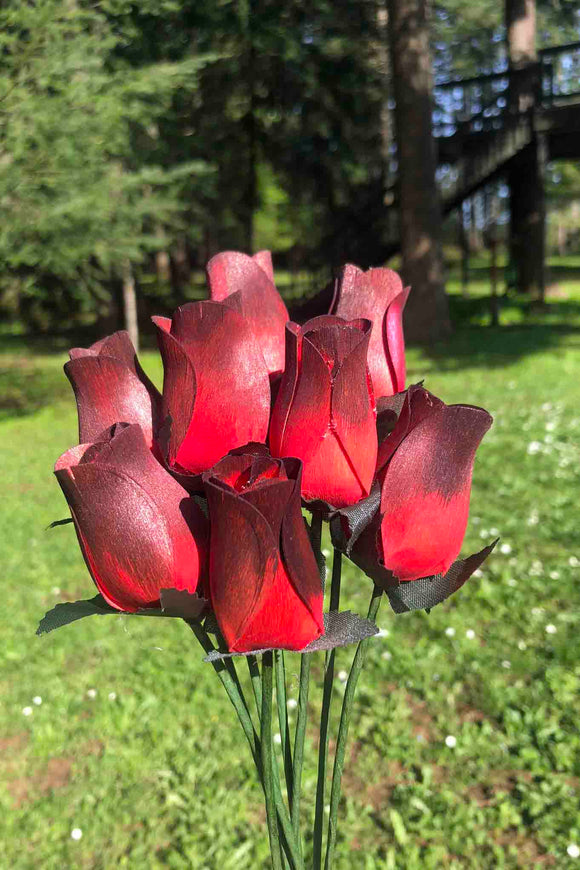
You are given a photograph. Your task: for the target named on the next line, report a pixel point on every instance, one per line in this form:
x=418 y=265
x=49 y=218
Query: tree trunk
x=493 y=212
x=383 y=65
x=251 y=191
x=464 y=248
x=162 y=263
x=427 y=315
x=130 y=305
x=520 y=25
x=562 y=238
x=475 y=240
x=526 y=172
x=527 y=218
x=181 y=269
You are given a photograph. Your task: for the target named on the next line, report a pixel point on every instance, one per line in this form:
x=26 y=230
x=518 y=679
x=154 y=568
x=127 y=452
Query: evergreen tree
x=81 y=182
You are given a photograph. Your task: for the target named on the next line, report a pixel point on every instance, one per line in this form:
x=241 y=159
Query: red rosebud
x=425 y=471
x=378 y=295
x=138 y=529
x=265 y=588
x=111 y=387
x=216 y=390
x=261 y=304
x=325 y=412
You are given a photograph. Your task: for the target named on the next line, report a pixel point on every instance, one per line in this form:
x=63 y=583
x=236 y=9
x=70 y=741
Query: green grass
x=159 y=775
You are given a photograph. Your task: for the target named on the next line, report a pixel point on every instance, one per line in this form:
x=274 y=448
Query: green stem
x=299 y=739
x=235 y=694
x=268 y=760
x=283 y=722
x=233 y=690
x=347 y=706
x=335 y=584
x=256 y=682
x=325 y=720
x=315 y=533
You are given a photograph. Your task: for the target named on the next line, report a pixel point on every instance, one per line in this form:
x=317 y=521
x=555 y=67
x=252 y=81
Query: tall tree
x=427 y=316
x=526 y=174
x=80 y=181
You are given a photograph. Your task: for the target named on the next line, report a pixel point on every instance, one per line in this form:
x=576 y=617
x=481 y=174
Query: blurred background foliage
x=142 y=138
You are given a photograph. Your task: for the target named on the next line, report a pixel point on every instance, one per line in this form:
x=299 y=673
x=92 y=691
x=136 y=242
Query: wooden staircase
x=479 y=130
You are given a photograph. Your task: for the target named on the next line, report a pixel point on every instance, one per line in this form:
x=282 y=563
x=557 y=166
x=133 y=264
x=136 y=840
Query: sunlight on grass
x=467 y=747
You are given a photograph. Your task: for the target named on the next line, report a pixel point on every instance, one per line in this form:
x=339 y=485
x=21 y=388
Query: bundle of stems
x=284 y=828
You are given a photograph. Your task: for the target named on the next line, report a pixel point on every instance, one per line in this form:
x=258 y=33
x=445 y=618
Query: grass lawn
x=134 y=744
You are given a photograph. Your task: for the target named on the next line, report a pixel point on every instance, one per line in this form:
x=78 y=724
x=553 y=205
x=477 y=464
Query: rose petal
x=163 y=538
x=378 y=295
x=111 y=387
x=262 y=305
x=216 y=388
x=426 y=491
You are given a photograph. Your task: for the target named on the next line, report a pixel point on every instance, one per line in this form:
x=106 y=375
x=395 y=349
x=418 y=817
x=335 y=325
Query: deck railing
x=481 y=104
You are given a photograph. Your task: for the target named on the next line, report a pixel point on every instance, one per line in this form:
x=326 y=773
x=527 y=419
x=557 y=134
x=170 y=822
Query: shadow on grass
x=526 y=327
x=494 y=347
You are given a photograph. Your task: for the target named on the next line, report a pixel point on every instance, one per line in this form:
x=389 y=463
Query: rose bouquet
x=189 y=503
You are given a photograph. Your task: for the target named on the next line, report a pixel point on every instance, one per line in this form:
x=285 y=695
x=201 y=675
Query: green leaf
x=70 y=611
x=175 y=604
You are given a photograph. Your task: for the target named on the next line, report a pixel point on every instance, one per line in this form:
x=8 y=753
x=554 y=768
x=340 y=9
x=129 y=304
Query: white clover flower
x=27 y=711
x=291 y=703
x=343 y=676
x=484 y=533
x=451 y=741
x=506 y=664
x=554 y=575
x=55 y=590
x=470 y=634
x=112 y=696
x=551 y=629
x=522 y=645
x=534 y=447
x=574 y=562
x=550 y=426
x=37 y=700
x=537 y=611
x=505 y=549
x=494 y=532
x=76 y=834
x=92 y=694
x=387 y=656
x=573 y=850
x=450 y=632
x=512 y=582
x=534 y=518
